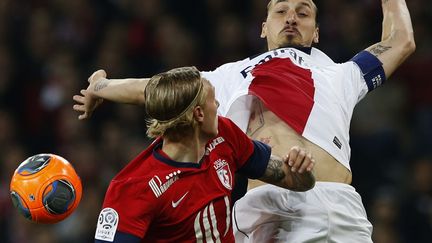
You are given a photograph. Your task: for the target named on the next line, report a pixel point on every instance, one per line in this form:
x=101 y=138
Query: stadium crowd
x=48 y=48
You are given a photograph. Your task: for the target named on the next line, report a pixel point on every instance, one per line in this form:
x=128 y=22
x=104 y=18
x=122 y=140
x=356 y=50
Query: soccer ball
x=45 y=188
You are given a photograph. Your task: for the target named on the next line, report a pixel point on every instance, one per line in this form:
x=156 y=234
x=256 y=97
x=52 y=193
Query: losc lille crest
x=224 y=173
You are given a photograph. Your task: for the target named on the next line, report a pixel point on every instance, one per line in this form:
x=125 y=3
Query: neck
x=188 y=149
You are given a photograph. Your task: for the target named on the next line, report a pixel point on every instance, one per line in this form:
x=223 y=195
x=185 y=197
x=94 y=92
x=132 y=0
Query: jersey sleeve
x=227 y=82
x=218 y=78
x=128 y=209
x=257 y=163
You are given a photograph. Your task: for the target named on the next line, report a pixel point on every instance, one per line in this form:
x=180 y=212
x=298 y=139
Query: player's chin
x=289 y=41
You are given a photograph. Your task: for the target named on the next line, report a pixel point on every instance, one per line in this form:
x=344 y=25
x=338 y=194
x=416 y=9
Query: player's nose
x=291 y=17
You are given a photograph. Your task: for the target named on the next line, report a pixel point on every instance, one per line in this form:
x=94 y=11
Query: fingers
x=97 y=75
x=79 y=99
x=299 y=160
x=85 y=102
x=81 y=108
x=83 y=92
x=82 y=105
x=83 y=116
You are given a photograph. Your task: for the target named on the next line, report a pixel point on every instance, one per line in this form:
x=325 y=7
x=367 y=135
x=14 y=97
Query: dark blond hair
x=170 y=98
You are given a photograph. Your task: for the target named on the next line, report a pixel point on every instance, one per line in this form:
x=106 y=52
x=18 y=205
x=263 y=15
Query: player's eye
x=302 y=14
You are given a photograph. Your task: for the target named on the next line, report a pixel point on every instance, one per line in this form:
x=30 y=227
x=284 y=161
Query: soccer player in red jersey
x=179 y=188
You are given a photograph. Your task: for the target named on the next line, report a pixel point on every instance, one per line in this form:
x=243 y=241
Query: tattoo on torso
x=256 y=120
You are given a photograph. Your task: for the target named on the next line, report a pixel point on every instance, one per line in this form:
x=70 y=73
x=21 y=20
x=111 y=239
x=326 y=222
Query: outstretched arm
x=397 y=40
x=129 y=91
x=294 y=172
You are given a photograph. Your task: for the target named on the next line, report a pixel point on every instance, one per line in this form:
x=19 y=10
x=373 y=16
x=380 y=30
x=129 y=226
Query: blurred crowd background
x=48 y=48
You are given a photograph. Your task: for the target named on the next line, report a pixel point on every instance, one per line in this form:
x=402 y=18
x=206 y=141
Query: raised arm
x=129 y=91
x=397 y=40
x=293 y=172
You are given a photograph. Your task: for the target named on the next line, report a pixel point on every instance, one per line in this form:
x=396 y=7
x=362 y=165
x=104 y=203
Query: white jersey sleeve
x=226 y=87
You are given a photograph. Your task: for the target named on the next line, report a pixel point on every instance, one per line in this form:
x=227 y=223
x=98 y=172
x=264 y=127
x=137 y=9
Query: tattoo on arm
x=274 y=172
x=101 y=85
x=379 y=49
x=277 y=173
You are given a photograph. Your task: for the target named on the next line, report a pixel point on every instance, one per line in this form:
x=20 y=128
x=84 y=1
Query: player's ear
x=316 y=35
x=198 y=113
x=263 y=30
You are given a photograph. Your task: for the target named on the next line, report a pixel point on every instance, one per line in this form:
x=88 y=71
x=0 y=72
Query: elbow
x=409 y=45
x=305 y=187
x=140 y=101
x=140 y=98
x=304 y=184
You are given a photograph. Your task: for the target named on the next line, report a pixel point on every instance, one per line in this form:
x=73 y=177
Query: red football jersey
x=161 y=200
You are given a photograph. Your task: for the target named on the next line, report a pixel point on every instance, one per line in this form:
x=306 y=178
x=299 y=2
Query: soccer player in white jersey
x=294 y=94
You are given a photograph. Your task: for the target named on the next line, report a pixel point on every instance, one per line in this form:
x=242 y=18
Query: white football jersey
x=311 y=93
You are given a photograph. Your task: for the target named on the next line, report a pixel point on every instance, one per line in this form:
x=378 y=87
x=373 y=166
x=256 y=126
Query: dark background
x=49 y=48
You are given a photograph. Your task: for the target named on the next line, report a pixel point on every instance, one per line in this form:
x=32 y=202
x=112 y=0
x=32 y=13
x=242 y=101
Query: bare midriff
x=266 y=127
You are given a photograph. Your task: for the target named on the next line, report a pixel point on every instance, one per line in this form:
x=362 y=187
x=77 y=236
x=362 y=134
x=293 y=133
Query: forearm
x=397 y=39
x=129 y=90
x=279 y=173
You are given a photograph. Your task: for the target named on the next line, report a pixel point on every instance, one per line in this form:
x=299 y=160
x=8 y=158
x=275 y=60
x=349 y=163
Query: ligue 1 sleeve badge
x=107 y=225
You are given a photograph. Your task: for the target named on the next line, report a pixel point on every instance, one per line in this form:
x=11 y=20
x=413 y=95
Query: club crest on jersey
x=224 y=173
x=158 y=187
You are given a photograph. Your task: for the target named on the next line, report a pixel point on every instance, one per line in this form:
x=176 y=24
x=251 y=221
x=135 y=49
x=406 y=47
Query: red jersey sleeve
x=132 y=200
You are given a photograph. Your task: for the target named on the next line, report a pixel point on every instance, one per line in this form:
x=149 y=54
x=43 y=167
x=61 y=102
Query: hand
x=299 y=160
x=87 y=102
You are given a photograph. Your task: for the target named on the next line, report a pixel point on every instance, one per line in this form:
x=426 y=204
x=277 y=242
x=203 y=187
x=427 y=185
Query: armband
x=371 y=68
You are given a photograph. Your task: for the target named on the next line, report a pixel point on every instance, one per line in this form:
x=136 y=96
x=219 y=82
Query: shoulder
x=321 y=57
x=129 y=186
x=226 y=126
x=138 y=167
x=233 y=135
